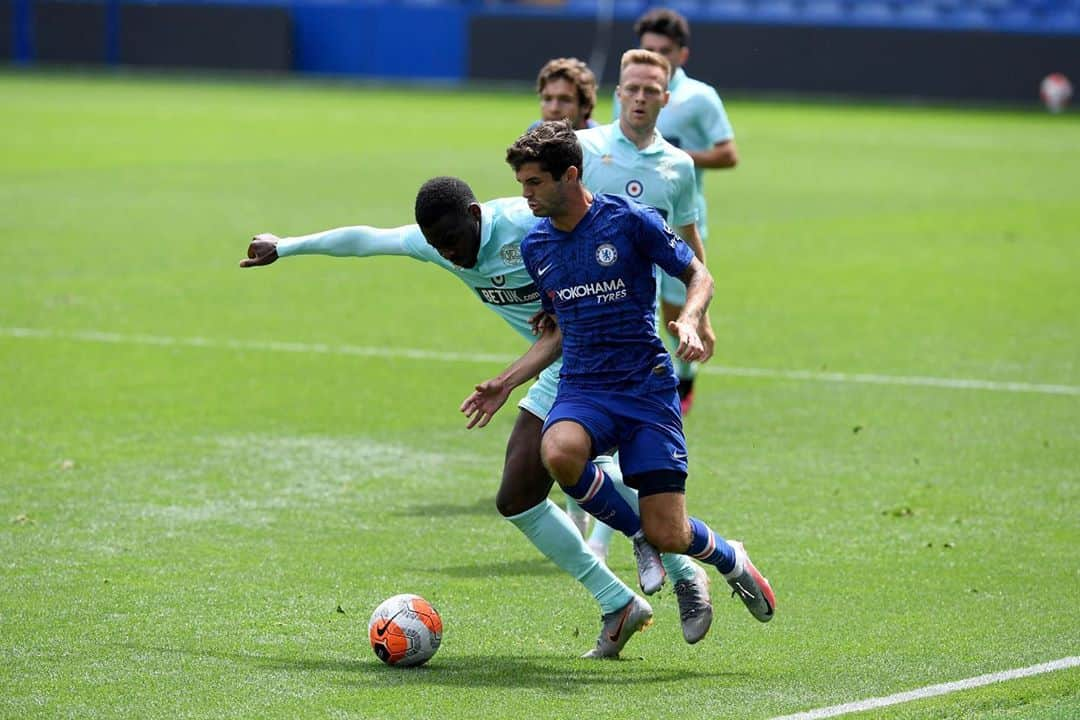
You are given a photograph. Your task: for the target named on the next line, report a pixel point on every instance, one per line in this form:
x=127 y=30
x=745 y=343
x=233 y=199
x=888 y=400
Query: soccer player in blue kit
x=630 y=157
x=480 y=244
x=592 y=258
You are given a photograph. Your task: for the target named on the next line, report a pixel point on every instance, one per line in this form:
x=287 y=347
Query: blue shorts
x=644 y=422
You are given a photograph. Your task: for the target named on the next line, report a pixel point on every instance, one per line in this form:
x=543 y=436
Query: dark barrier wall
x=849 y=61
x=7 y=30
x=233 y=37
x=69 y=32
x=375 y=38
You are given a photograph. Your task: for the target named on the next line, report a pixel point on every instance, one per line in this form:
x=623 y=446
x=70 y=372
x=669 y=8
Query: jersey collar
x=656 y=146
x=676 y=79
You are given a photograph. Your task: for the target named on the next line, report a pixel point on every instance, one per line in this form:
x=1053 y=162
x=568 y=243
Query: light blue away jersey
x=598 y=280
x=499 y=278
x=660 y=176
x=694 y=119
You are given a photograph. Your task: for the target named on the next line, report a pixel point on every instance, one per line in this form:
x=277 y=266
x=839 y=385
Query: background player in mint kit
x=567 y=91
x=480 y=244
x=592 y=258
x=695 y=121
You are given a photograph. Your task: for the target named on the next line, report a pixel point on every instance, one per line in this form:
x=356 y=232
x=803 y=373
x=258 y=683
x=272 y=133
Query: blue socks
x=550 y=530
x=678 y=567
x=708 y=547
x=596 y=492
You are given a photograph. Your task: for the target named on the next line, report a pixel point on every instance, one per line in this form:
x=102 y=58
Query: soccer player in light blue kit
x=480 y=245
x=630 y=157
x=694 y=120
x=592 y=257
x=567 y=90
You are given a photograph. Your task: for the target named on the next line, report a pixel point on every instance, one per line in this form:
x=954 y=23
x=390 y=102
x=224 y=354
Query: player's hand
x=708 y=337
x=262 y=250
x=690 y=345
x=484 y=402
x=541 y=322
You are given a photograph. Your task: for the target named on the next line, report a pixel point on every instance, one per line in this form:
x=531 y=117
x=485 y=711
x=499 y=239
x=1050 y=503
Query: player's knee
x=524 y=486
x=563 y=462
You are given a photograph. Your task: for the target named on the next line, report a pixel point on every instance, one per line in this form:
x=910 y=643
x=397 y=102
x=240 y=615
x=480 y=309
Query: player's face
x=546 y=195
x=642 y=92
x=559 y=101
x=456 y=237
x=675 y=53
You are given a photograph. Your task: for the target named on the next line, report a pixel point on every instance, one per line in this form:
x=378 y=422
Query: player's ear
x=571 y=174
x=684 y=55
x=475 y=210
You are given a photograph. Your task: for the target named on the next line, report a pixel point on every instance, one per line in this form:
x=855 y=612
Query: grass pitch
x=196 y=521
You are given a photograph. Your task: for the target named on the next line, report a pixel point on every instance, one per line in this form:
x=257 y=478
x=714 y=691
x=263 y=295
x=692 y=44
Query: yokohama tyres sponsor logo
x=604 y=291
x=509 y=296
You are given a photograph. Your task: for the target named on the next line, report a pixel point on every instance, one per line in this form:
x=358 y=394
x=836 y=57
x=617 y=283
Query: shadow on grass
x=539 y=566
x=552 y=673
x=484 y=506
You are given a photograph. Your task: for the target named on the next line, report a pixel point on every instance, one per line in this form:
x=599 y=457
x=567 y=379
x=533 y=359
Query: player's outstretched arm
x=355 y=241
x=262 y=250
x=489 y=396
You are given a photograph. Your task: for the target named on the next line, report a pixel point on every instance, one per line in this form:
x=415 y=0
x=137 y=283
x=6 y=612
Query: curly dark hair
x=441 y=196
x=552 y=144
x=664 y=21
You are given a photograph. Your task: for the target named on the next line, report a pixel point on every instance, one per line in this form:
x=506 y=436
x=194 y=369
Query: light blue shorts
x=672 y=290
x=541 y=395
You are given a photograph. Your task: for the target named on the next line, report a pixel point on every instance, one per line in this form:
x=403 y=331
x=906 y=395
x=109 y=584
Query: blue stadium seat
x=727 y=9
x=779 y=10
x=872 y=11
x=919 y=13
x=824 y=10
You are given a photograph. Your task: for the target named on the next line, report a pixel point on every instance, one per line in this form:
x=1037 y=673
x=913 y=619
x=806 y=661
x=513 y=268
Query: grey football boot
x=695 y=609
x=619 y=626
x=750 y=585
x=650 y=569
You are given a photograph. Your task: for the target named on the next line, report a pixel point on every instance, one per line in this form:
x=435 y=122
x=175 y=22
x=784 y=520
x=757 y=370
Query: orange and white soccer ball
x=1055 y=91
x=405 y=630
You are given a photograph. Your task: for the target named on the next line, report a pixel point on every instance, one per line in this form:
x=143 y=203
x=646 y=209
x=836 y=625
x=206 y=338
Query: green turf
x=180 y=524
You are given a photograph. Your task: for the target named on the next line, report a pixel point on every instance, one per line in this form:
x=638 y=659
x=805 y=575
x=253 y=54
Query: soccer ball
x=405 y=630
x=1056 y=91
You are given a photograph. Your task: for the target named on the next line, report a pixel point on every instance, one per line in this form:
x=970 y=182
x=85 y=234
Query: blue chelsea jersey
x=598 y=280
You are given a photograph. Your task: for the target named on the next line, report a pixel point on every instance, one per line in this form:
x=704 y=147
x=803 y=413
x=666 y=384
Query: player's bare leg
x=670 y=529
x=523 y=500
x=566 y=450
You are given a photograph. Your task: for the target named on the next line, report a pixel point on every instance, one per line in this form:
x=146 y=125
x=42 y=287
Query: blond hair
x=646 y=57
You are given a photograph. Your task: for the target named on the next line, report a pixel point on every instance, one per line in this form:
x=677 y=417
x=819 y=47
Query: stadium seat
x=872 y=11
x=823 y=10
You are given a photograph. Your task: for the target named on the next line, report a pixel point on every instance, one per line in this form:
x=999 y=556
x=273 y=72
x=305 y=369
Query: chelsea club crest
x=606 y=254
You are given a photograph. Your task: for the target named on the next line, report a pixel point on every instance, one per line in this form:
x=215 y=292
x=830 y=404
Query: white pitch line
x=933 y=690
x=417 y=354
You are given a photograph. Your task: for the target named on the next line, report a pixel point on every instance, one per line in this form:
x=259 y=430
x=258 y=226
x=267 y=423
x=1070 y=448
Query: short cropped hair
x=578 y=74
x=645 y=57
x=442 y=196
x=667 y=22
x=552 y=144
